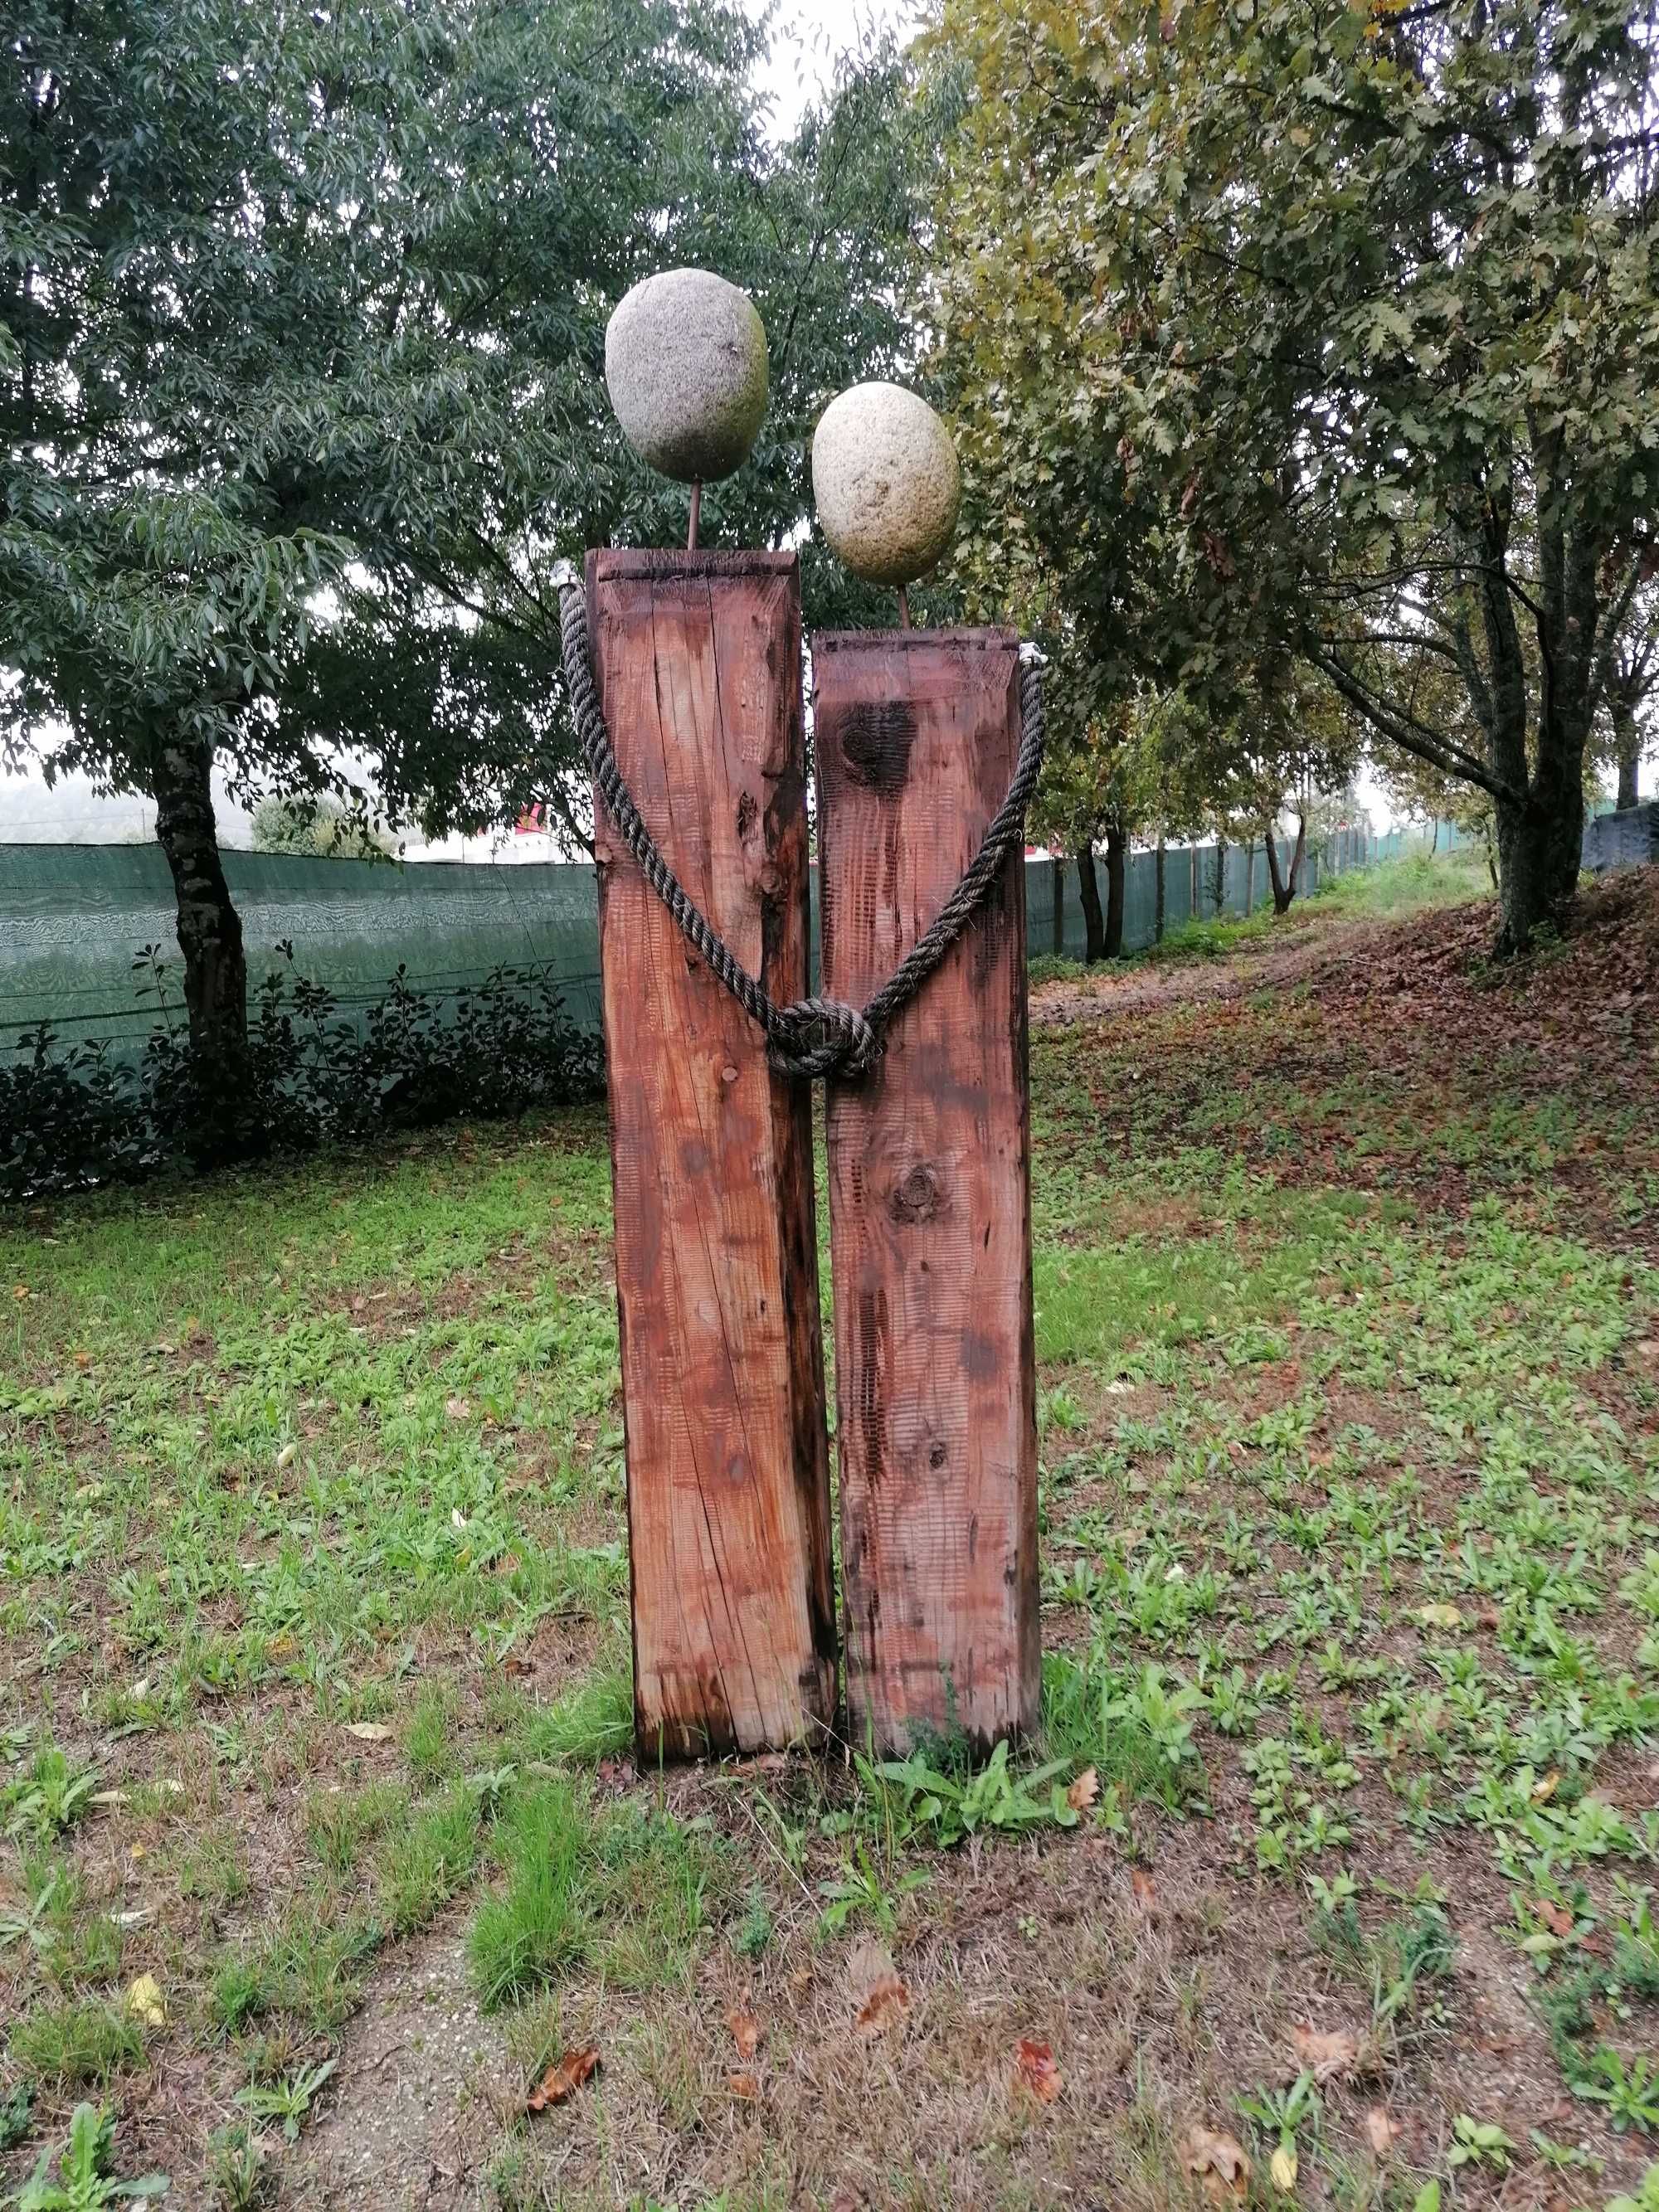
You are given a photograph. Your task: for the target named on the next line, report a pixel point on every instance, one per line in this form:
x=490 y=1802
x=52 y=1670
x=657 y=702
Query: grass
x=315 y=1706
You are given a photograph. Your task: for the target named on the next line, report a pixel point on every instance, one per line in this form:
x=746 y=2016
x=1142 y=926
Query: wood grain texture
x=916 y=734
x=698 y=659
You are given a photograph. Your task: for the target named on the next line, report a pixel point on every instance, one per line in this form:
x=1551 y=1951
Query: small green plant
x=1282 y=2114
x=238 y=2169
x=16 y=2106
x=754 y=1933
x=951 y=1807
x=1480 y=2143
x=83 y=2181
x=1646 y=2198
x=288 y=2100
x=51 y=1796
x=859 y=1889
x=1629 y=2089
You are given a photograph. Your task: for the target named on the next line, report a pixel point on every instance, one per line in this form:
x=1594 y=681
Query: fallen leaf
x=145 y=2003
x=1218 y=2163
x=456 y=1408
x=1556 y=1917
x=1283 y=2169
x=1035 y=2064
x=746 y=2029
x=1326 y=2054
x=880 y=1995
x=368 y=1731
x=563 y=2079
x=742 y=2085
x=1380 y=2129
x=1084 y=1791
x=1145 y=1890
x=1439 y=1615
x=285 y=1457
x=513 y=1665
x=1544 y=1791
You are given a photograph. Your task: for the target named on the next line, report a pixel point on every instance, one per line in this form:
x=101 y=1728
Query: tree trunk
x=209 y=931
x=1094 y=924
x=1434 y=836
x=1540 y=849
x=1221 y=875
x=1286 y=886
x=1627 y=740
x=1116 y=868
x=1249 y=874
x=1157 y=910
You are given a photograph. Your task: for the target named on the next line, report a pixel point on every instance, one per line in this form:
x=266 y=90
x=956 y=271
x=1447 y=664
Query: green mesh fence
x=74 y=919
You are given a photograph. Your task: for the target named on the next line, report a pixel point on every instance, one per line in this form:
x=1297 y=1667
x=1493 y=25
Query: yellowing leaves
x=145 y=2004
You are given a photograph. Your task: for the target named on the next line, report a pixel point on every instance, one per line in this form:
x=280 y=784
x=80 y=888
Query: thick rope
x=812 y=1037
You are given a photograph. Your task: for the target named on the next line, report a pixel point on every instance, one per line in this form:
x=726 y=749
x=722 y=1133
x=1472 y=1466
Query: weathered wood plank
x=698 y=659
x=916 y=734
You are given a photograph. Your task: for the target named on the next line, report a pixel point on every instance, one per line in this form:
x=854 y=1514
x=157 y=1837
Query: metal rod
x=696 y=514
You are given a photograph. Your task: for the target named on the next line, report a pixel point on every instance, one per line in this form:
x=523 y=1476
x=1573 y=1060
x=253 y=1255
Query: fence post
x=698 y=658
x=1059 y=867
x=916 y=733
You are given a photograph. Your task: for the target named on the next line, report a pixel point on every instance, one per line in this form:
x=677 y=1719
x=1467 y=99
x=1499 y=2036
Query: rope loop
x=811 y=1037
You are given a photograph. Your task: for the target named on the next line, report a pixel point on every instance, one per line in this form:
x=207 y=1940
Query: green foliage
x=290 y=2100
x=312 y=1074
x=947 y=1807
x=1323 y=338
x=619 y=1887
x=82 y=2181
x=313 y=828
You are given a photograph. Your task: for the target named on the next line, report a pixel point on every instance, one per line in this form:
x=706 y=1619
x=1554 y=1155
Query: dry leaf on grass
x=145 y=2003
x=1556 y=1917
x=1283 y=2167
x=562 y=2078
x=368 y=1731
x=1084 y=1791
x=1145 y=1890
x=880 y=1995
x=1218 y=2163
x=743 y=2084
x=746 y=2029
x=1034 y=2066
x=1380 y=2129
x=1328 y=2056
x=1544 y=1791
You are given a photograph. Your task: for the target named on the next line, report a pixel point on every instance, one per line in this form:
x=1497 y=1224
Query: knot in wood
x=917 y=1197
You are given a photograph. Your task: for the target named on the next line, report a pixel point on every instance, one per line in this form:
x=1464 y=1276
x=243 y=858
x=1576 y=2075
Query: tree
x=1091 y=791
x=1326 y=329
x=300 y=377
x=1632 y=678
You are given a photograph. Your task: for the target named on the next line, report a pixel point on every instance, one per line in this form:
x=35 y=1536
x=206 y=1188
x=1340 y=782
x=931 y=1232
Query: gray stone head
x=686 y=366
x=886 y=481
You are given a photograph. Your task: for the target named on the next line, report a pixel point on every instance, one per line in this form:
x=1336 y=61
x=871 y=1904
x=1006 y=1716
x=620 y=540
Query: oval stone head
x=886 y=478
x=686 y=366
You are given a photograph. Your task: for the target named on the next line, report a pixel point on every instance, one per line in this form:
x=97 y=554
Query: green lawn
x=320 y=1845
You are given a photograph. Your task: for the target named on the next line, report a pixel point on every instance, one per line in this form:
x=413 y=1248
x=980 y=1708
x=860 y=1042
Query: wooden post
x=698 y=658
x=917 y=735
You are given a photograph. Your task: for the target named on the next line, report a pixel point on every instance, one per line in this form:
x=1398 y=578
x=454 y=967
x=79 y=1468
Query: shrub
x=79 y=1115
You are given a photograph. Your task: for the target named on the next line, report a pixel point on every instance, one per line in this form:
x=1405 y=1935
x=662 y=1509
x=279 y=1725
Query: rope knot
x=822 y=1036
